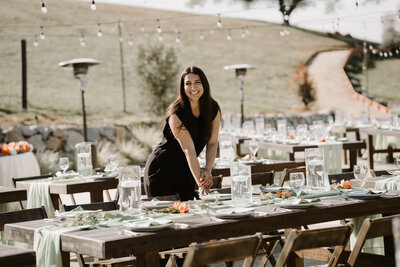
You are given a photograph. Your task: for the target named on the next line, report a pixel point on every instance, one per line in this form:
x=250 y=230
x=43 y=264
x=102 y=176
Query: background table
x=21 y=165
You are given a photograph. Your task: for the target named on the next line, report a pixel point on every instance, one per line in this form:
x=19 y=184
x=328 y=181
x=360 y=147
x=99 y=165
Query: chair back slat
x=307 y=239
x=337 y=177
x=286 y=174
x=19 y=179
x=375 y=173
x=22 y=216
x=262 y=178
x=224 y=250
x=13 y=256
x=104 y=206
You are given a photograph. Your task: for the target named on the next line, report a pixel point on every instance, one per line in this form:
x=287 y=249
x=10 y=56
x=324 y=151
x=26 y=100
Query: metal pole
x=122 y=65
x=365 y=70
x=241 y=99
x=83 y=86
x=24 y=72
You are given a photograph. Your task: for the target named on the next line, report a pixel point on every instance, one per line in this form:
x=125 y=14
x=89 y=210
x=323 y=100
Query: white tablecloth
x=21 y=165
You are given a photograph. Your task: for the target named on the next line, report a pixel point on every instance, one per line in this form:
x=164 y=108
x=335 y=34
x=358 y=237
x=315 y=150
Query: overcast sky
x=361 y=22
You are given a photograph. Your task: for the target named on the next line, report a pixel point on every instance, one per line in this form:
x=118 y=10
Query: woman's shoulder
x=215 y=108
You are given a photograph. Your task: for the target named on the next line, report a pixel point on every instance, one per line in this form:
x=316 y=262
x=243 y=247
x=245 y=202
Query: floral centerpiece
x=15 y=148
x=344 y=184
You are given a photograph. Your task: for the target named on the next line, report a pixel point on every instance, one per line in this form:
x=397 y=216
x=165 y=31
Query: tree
x=302 y=83
x=158 y=68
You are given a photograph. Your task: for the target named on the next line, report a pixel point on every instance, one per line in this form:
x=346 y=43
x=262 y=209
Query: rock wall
x=56 y=138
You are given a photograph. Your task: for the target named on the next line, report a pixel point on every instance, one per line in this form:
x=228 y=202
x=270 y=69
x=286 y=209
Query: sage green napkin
x=39 y=195
x=320 y=194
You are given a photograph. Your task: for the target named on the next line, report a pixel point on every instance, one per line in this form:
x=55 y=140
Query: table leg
x=150 y=258
x=96 y=196
x=353 y=158
x=65 y=259
x=371 y=150
x=291 y=156
x=55 y=201
x=295 y=261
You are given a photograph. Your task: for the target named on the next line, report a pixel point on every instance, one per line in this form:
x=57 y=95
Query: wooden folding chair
x=372 y=228
x=286 y=174
x=307 y=239
x=104 y=206
x=13 y=256
x=232 y=249
x=22 y=216
x=378 y=173
x=20 y=179
x=262 y=178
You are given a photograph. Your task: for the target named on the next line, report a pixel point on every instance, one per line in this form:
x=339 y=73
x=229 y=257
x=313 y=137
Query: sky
x=364 y=21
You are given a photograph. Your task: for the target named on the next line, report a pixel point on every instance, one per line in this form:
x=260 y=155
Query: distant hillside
x=53 y=90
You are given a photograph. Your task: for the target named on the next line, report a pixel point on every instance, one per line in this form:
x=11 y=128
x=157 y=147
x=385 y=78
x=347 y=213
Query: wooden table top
x=9 y=194
x=107 y=243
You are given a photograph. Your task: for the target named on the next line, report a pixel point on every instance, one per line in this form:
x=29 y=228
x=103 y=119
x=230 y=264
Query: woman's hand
x=206 y=180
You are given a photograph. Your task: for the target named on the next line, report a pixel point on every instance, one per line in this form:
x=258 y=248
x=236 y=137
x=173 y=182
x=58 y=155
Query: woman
x=191 y=122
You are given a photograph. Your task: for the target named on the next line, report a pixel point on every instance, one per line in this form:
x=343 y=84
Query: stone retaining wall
x=56 y=138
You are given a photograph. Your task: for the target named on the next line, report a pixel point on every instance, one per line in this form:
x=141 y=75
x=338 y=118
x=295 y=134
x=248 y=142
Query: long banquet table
x=108 y=243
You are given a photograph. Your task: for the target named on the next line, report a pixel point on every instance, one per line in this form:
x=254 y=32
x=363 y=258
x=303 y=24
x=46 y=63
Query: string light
x=337 y=23
x=159 y=30
x=229 y=37
x=212 y=31
x=142 y=29
x=178 y=38
x=374 y=51
x=247 y=31
x=380 y=54
x=390 y=53
x=285 y=16
x=44 y=8
x=357 y=3
x=99 y=33
x=130 y=40
x=159 y=37
x=93 y=5
x=42 y=36
x=243 y=34
x=201 y=36
x=35 y=42
x=219 y=23
x=397 y=51
x=385 y=54
x=82 y=40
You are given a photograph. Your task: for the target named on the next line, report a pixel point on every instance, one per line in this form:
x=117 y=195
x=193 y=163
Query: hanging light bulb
x=337 y=23
x=99 y=33
x=219 y=23
x=35 y=42
x=178 y=38
x=390 y=53
x=370 y=47
x=282 y=32
x=243 y=34
x=82 y=40
x=287 y=32
x=247 y=31
x=229 y=37
x=397 y=51
x=212 y=31
x=159 y=30
x=374 y=51
x=130 y=40
x=93 y=5
x=385 y=54
x=42 y=36
x=160 y=37
x=380 y=54
x=285 y=16
x=201 y=36
x=44 y=8
x=356 y=3
x=142 y=29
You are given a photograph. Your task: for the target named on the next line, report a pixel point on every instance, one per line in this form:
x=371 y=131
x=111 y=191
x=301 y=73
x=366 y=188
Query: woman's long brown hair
x=206 y=102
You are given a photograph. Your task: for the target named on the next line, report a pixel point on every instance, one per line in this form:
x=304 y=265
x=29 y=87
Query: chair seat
x=13 y=256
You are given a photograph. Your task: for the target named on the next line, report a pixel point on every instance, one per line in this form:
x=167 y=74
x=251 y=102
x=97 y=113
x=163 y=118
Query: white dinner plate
x=145 y=226
x=233 y=213
x=151 y=205
x=365 y=196
x=213 y=197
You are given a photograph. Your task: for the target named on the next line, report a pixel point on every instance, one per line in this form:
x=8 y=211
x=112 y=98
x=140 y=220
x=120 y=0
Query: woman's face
x=193 y=87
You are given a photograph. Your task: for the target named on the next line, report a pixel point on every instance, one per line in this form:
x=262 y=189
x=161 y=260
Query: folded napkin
x=319 y=194
x=39 y=195
x=392 y=183
x=273 y=188
x=333 y=156
x=150 y=222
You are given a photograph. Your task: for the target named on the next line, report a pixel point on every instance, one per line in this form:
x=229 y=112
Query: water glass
x=360 y=173
x=226 y=151
x=112 y=163
x=315 y=166
x=302 y=131
x=260 y=125
x=241 y=189
x=297 y=181
x=130 y=189
x=253 y=147
x=281 y=128
x=64 y=164
x=84 y=158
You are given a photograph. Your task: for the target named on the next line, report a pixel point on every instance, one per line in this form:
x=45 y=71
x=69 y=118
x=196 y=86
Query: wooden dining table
x=9 y=194
x=107 y=243
x=291 y=149
x=94 y=186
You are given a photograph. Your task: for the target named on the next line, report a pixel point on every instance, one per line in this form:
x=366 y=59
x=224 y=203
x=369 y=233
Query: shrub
x=303 y=84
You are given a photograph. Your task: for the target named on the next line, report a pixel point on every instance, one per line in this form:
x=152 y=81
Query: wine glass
x=253 y=146
x=64 y=164
x=296 y=181
x=360 y=173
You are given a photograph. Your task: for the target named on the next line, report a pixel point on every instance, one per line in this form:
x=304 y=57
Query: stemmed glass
x=360 y=173
x=64 y=164
x=297 y=181
x=253 y=146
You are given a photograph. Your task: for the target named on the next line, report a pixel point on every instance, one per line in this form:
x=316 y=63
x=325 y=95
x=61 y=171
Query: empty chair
x=337 y=177
x=22 y=216
x=286 y=174
x=104 y=206
x=372 y=228
x=13 y=256
x=232 y=249
x=262 y=178
x=378 y=173
x=307 y=239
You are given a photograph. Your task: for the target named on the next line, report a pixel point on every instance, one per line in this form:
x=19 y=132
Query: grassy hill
x=53 y=90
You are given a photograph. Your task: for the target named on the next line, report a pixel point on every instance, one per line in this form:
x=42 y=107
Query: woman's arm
x=186 y=142
x=212 y=144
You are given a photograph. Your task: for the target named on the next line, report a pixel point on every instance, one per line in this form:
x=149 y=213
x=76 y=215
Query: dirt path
x=334 y=90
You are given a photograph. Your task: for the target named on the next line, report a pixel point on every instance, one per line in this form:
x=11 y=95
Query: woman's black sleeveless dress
x=167 y=171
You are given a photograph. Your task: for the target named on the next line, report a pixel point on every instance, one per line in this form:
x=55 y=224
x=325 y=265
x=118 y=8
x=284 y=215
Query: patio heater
x=240 y=71
x=81 y=69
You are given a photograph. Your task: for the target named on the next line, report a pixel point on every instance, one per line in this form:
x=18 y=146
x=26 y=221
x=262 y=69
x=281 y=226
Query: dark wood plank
x=8 y=194
x=12 y=256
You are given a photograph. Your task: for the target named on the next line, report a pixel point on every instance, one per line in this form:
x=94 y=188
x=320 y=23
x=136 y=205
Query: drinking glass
x=241 y=184
x=297 y=181
x=112 y=163
x=253 y=146
x=398 y=160
x=281 y=128
x=315 y=166
x=84 y=158
x=130 y=189
x=360 y=173
x=64 y=164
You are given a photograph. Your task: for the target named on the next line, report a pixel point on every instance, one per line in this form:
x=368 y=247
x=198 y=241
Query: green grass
x=53 y=91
